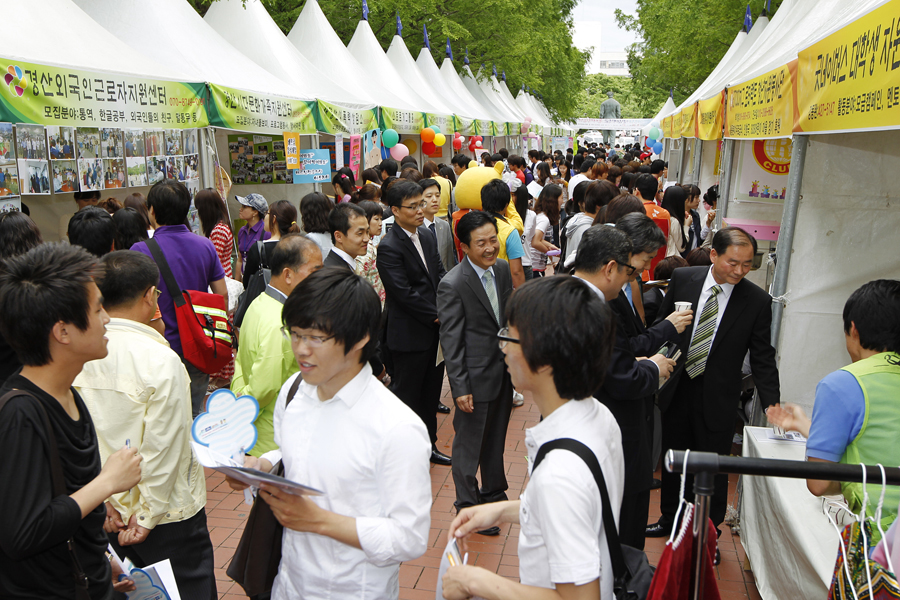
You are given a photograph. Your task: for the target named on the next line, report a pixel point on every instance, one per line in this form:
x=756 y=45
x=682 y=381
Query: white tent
x=248 y=20
x=498 y=113
x=452 y=81
x=526 y=102
x=314 y=37
x=182 y=38
x=429 y=69
x=410 y=72
x=494 y=90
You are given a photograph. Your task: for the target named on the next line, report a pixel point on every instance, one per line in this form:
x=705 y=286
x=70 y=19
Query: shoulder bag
x=255 y=285
x=631 y=570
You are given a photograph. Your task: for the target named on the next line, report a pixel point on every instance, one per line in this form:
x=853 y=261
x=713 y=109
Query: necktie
x=703 y=336
x=433 y=230
x=488 y=281
x=415 y=240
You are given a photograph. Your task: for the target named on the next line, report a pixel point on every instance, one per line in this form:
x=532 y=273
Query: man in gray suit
x=431 y=194
x=471 y=300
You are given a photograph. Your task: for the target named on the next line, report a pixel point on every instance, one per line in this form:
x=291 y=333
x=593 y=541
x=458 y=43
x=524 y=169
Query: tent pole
x=685 y=156
x=786 y=236
x=316 y=185
x=725 y=186
x=695 y=174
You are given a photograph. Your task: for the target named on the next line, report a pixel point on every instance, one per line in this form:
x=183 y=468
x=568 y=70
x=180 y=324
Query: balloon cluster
x=654 y=138
x=475 y=143
x=526 y=125
x=391 y=139
x=432 y=138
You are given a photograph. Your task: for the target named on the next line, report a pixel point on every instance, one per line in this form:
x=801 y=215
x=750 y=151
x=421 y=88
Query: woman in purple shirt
x=253 y=208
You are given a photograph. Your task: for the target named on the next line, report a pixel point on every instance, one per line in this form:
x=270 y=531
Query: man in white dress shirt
x=346 y=434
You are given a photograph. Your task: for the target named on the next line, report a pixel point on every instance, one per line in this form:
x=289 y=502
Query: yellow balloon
x=440 y=139
x=411 y=144
x=469 y=184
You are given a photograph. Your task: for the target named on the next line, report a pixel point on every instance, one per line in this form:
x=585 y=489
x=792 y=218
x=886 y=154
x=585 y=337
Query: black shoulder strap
x=293 y=391
x=263 y=259
x=609 y=523
x=166 y=272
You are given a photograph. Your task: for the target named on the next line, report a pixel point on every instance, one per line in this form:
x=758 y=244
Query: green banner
x=465 y=126
x=48 y=95
x=331 y=118
x=444 y=122
x=260 y=113
x=402 y=121
x=484 y=127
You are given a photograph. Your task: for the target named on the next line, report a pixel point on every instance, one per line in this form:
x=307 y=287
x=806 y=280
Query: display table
x=791 y=545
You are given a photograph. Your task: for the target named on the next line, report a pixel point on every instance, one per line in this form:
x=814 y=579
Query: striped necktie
x=703 y=336
x=491 y=292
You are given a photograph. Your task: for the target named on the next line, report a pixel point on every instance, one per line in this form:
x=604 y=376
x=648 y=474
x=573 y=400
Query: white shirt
x=369 y=453
x=576 y=179
x=593 y=287
x=561 y=539
x=527 y=236
x=323 y=241
x=347 y=259
x=722 y=299
x=414 y=236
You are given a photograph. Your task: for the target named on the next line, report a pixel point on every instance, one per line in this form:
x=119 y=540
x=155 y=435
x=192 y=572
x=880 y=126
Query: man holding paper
x=344 y=433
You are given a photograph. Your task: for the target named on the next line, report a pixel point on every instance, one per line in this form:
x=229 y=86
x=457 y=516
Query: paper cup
x=680 y=306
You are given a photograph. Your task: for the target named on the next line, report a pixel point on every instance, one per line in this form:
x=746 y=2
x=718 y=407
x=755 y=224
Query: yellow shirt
x=141 y=392
x=445 y=195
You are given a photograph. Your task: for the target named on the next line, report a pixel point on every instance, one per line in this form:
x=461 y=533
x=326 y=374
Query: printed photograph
x=114 y=173
x=173 y=142
x=61 y=141
x=88 y=139
x=137 y=171
x=192 y=166
x=156 y=169
x=31 y=142
x=111 y=145
x=65 y=176
x=34 y=176
x=9 y=180
x=10 y=203
x=155 y=143
x=134 y=143
x=90 y=173
x=191 y=141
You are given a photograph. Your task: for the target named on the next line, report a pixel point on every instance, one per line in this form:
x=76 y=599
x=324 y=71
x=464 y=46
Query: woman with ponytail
x=344 y=187
x=279 y=221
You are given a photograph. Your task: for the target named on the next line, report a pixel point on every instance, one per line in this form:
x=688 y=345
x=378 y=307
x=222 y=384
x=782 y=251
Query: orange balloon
x=427 y=135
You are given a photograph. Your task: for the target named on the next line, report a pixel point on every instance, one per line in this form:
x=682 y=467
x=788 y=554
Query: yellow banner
x=850 y=81
x=676 y=126
x=711 y=117
x=666 y=126
x=689 y=121
x=764 y=106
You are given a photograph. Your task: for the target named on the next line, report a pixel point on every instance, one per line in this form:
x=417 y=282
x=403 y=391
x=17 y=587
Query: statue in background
x=610 y=109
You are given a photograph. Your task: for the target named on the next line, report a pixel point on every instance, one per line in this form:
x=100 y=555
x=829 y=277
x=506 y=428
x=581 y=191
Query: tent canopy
x=399 y=56
x=499 y=114
x=429 y=69
x=453 y=82
x=249 y=19
x=492 y=88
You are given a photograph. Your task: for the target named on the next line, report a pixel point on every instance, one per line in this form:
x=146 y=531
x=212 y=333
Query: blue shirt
x=514 y=248
x=837 y=416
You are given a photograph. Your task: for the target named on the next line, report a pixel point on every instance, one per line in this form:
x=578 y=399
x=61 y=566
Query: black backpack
x=254 y=285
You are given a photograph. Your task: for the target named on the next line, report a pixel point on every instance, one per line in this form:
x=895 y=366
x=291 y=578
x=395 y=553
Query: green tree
x=681 y=42
x=531 y=41
x=593 y=94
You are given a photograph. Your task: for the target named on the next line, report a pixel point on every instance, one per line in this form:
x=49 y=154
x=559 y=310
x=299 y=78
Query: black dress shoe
x=443 y=408
x=489 y=531
x=439 y=458
x=656 y=484
x=657 y=529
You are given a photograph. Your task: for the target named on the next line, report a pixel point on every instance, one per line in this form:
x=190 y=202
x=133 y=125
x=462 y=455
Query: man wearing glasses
x=471 y=303
x=410 y=268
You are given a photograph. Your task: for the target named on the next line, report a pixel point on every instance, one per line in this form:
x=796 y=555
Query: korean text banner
x=763 y=107
x=711 y=117
x=49 y=95
x=402 y=121
x=443 y=122
x=676 y=125
x=331 y=118
x=689 y=121
x=260 y=113
x=315 y=166
x=850 y=81
x=465 y=126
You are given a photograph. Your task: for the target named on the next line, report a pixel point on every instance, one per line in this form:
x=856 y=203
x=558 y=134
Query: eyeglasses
x=630 y=269
x=420 y=206
x=503 y=338
x=313 y=341
x=157 y=292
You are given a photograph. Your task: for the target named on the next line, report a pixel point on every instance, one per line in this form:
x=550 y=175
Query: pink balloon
x=399 y=152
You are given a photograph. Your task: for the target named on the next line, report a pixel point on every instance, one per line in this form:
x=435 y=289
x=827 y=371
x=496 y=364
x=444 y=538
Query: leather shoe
x=439 y=458
x=489 y=531
x=656 y=484
x=656 y=530
x=443 y=408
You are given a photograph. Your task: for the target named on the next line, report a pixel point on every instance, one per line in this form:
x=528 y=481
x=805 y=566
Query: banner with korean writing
x=689 y=121
x=464 y=126
x=676 y=126
x=402 y=121
x=444 y=122
x=763 y=107
x=484 y=127
x=260 y=113
x=355 y=154
x=315 y=166
x=666 y=126
x=48 y=95
x=711 y=117
x=850 y=81
x=291 y=150
x=331 y=118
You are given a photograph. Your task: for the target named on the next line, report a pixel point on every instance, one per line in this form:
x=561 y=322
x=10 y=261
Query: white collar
x=350 y=393
x=710 y=281
x=478 y=270
x=127 y=325
x=277 y=291
x=427 y=223
x=347 y=258
x=593 y=287
x=558 y=423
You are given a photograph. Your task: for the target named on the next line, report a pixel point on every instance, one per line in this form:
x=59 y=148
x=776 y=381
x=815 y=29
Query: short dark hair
x=599 y=245
x=128 y=275
x=89 y=195
x=314 y=209
x=599 y=193
x=732 y=236
x=339 y=303
x=875 y=310
x=460 y=160
x=427 y=183
x=646 y=236
x=586 y=165
x=698 y=257
x=620 y=206
x=647 y=185
x=291 y=252
x=93 y=229
x=471 y=221
x=340 y=215
x=503 y=152
x=497 y=157
x=409 y=160
x=516 y=161
x=658 y=166
x=402 y=189
x=40 y=288
x=665 y=267
x=542 y=308
x=371 y=208
x=18 y=234
x=495 y=196
x=170 y=202
x=389 y=165
x=129 y=228
x=412 y=174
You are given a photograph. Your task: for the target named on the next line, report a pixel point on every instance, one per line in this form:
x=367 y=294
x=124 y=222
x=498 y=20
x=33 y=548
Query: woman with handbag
x=565 y=547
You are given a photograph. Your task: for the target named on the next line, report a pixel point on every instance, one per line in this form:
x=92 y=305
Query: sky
x=595 y=25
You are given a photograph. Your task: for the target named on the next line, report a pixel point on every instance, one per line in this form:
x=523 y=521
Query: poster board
x=257 y=159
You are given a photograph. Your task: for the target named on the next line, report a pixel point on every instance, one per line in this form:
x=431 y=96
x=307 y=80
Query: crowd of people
x=574 y=282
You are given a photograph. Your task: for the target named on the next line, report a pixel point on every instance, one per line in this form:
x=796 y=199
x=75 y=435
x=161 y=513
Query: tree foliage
x=531 y=41
x=593 y=94
x=681 y=42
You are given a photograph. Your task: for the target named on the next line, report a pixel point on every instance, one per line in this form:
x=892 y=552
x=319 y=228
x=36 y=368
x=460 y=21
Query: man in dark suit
x=349 y=234
x=735 y=316
x=604 y=260
x=471 y=301
x=410 y=269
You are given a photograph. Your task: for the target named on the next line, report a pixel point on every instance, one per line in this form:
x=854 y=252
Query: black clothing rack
x=705 y=465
